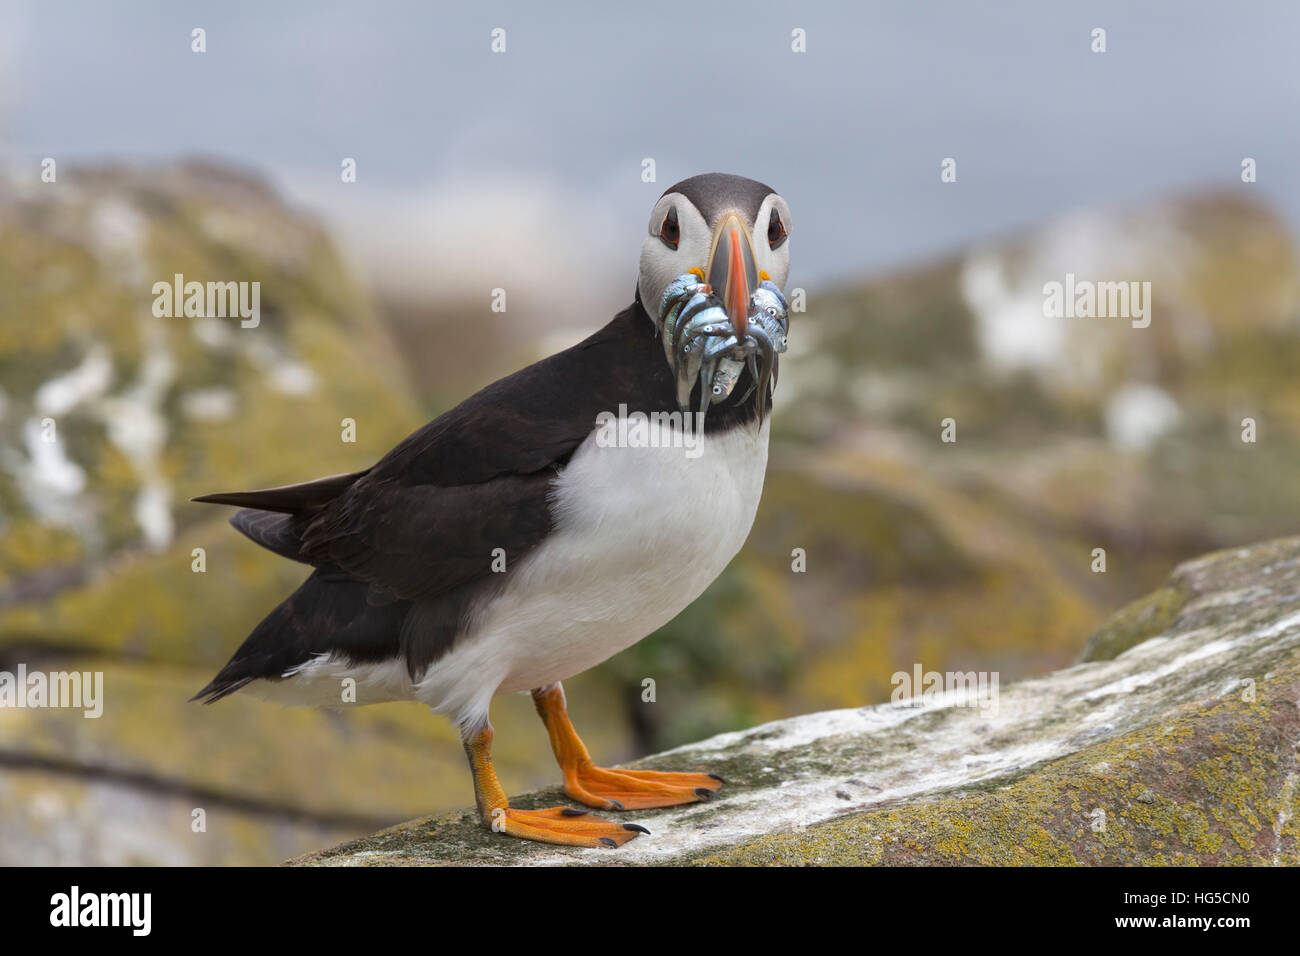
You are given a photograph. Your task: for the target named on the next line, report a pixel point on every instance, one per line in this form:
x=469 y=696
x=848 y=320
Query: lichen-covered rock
x=1180 y=750
x=111 y=417
x=1131 y=625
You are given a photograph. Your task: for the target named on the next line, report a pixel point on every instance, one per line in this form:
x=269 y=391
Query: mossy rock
x=112 y=416
x=1179 y=751
x=1142 y=619
x=306 y=775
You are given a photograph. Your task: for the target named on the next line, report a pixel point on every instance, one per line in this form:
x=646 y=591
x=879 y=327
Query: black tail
x=289 y=499
x=328 y=613
x=276 y=518
x=278 y=533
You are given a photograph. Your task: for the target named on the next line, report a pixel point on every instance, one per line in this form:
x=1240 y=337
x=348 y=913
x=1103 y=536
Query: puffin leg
x=563 y=825
x=612 y=789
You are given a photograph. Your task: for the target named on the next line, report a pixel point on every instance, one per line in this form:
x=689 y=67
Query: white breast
x=639 y=533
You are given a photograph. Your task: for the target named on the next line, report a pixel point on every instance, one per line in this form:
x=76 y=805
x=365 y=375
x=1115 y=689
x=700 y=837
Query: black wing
x=402 y=548
x=429 y=516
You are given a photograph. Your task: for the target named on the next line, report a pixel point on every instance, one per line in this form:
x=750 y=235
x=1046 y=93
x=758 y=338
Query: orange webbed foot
x=638 y=789
x=564 y=826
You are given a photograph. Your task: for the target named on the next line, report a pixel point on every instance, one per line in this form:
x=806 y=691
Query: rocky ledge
x=1172 y=741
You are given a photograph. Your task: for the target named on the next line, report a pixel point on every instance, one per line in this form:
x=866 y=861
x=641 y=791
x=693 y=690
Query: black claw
x=617 y=804
x=573 y=812
x=608 y=841
x=636 y=827
x=716 y=777
x=704 y=793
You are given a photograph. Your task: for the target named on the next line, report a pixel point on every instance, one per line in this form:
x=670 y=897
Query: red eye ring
x=776 y=233
x=670 y=232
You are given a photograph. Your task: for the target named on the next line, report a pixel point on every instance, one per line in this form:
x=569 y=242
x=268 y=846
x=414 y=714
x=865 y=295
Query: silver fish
x=688 y=300
x=679 y=290
x=768 y=327
x=695 y=333
x=702 y=346
x=769 y=309
x=725 y=378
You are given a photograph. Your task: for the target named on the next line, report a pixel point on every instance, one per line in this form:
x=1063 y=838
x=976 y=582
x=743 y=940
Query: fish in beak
x=715 y=321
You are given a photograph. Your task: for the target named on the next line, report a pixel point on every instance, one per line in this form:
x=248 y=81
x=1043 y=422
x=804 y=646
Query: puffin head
x=713 y=272
x=730 y=231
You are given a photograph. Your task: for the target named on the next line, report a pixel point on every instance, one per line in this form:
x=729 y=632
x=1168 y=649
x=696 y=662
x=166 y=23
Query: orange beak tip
x=738 y=306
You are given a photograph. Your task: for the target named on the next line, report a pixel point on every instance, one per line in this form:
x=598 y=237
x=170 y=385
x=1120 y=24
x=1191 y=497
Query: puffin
x=549 y=521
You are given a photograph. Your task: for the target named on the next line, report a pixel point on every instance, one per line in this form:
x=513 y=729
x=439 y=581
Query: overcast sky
x=458 y=140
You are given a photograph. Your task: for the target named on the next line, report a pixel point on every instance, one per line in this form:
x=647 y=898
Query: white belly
x=639 y=534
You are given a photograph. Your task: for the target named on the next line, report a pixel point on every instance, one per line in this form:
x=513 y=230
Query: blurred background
x=523 y=170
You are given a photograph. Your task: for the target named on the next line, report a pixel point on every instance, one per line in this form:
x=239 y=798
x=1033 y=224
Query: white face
x=662 y=262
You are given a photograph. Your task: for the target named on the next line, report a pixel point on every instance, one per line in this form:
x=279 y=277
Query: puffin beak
x=732 y=272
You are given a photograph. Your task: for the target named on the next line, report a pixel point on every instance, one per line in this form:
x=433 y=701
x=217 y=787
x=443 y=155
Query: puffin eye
x=776 y=233
x=669 y=232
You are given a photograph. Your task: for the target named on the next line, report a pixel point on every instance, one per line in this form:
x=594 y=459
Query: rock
x=72 y=818
x=1179 y=750
x=1143 y=618
x=146 y=408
